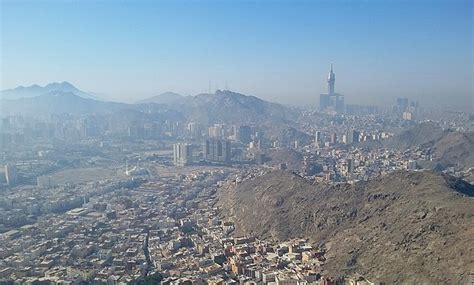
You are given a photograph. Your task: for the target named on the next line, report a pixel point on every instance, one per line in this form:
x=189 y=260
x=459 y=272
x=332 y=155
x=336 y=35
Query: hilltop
x=225 y=106
x=421 y=223
x=164 y=98
x=423 y=134
x=449 y=147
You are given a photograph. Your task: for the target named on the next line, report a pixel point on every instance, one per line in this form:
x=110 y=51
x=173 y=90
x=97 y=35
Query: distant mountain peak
x=63 y=84
x=163 y=98
x=67 y=84
x=170 y=93
x=37 y=90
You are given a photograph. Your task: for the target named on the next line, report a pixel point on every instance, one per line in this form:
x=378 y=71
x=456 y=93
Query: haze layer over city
x=236 y=142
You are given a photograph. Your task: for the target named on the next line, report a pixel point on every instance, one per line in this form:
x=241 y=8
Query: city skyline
x=276 y=51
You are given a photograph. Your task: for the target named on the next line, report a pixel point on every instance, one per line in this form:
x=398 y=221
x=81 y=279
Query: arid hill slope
x=405 y=228
x=450 y=148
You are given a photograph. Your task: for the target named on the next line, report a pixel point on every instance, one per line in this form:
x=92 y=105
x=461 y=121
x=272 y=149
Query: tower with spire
x=331 y=101
x=331 y=81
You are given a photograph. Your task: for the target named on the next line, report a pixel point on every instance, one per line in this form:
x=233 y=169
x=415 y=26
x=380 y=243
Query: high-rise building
x=195 y=130
x=333 y=138
x=244 y=134
x=11 y=175
x=348 y=166
x=331 y=101
x=217 y=150
x=331 y=81
x=318 y=137
x=182 y=154
x=217 y=131
x=402 y=104
x=352 y=137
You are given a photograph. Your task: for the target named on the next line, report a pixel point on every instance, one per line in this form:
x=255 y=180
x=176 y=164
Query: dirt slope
x=410 y=228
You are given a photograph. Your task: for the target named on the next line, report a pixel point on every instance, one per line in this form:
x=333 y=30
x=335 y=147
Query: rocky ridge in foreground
x=406 y=227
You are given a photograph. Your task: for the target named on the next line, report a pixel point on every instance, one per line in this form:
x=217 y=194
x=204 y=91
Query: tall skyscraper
x=244 y=134
x=348 y=166
x=352 y=137
x=217 y=150
x=331 y=81
x=331 y=101
x=182 y=154
x=195 y=130
x=402 y=104
x=11 y=174
x=318 y=137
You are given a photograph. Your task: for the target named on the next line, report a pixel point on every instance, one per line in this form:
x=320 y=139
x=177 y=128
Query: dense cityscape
x=236 y=142
x=84 y=202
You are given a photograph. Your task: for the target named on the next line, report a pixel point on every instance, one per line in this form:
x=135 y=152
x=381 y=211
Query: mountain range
x=223 y=106
x=36 y=90
x=421 y=224
x=219 y=107
x=58 y=102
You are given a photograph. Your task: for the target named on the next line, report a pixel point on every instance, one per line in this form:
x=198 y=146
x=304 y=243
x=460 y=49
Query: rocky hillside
x=424 y=134
x=449 y=147
x=230 y=107
x=455 y=148
x=292 y=158
x=405 y=228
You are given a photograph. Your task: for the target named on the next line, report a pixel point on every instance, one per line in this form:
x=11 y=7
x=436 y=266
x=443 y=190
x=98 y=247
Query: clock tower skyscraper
x=331 y=81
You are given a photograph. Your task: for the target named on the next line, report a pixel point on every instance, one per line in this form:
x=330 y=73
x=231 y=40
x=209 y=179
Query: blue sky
x=276 y=50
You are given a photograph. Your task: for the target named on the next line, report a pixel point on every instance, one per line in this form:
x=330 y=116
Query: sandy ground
x=80 y=175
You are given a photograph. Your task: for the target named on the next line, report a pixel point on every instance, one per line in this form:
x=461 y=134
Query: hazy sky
x=276 y=50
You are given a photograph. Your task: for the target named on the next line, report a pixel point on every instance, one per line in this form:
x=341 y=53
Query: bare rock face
x=409 y=228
